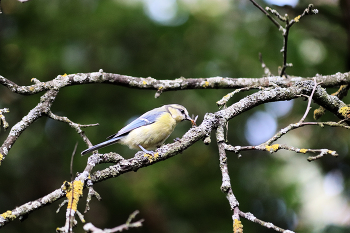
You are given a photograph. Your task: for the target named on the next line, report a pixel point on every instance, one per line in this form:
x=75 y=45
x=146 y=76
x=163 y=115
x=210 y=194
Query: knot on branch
x=225 y=187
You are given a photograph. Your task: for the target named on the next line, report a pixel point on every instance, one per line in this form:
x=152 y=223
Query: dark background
x=203 y=38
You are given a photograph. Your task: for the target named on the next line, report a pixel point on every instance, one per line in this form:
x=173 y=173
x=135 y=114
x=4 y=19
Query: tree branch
x=161 y=86
x=41 y=109
x=211 y=121
x=226 y=181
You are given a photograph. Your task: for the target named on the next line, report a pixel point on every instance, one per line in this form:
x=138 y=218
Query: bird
x=149 y=131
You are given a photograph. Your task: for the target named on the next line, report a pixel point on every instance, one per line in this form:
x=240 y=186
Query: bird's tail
x=100 y=145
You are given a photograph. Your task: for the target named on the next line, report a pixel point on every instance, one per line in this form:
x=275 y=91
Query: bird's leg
x=151 y=155
x=146 y=151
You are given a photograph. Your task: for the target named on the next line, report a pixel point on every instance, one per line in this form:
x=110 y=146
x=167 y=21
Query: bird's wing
x=146 y=119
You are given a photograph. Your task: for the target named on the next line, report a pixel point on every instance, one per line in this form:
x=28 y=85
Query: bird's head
x=179 y=113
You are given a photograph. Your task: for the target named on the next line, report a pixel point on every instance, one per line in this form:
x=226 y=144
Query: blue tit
x=149 y=131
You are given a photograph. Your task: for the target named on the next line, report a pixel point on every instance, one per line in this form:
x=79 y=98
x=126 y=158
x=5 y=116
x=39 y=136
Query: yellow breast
x=151 y=136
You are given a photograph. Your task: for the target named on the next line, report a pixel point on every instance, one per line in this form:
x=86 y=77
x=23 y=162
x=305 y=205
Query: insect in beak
x=193 y=121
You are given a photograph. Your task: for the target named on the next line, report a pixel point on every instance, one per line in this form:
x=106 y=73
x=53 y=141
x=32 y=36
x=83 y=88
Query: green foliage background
x=42 y=39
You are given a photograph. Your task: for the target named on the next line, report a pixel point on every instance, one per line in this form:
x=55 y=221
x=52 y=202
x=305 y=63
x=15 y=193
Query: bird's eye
x=182 y=111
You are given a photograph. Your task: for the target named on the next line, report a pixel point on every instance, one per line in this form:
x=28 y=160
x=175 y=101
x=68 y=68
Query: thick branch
x=170 y=85
x=23 y=210
x=226 y=181
x=41 y=109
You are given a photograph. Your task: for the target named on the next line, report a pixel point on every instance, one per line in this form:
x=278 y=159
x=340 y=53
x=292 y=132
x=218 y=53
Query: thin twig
x=285 y=30
x=92 y=193
x=279 y=26
x=251 y=217
x=267 y=71
x=309 y=102
x=267 y=146
x=74 y=125
x=71 y=161
x=70 y=226
x=3 y=121
x=227 y=97
x=289 y=24
x=89 y=227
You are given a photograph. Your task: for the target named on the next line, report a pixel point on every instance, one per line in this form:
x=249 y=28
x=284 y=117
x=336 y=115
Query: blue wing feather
x=145 y=119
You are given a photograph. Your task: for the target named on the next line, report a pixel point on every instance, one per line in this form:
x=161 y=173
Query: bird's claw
x=151 y=156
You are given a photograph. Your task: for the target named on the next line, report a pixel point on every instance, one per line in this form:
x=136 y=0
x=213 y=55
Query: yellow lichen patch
x=152 y=158
x=74 y=194
x=318 y=113
x=156 y=155
x=8 y=215
x=275 y=147
x=1 y=157
x=332 y=152
x=160 y=88
x=144 y=82
x=296 y=19
x=32 y=80
x=237 y=226
x=303 y=151
x=64 y=75
x=272 y=148
x=31 y=88
x=206 y=84
x=345 y=111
